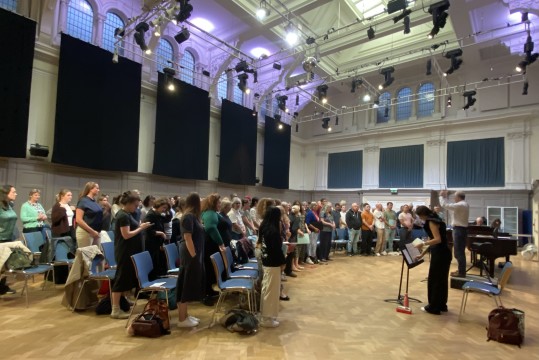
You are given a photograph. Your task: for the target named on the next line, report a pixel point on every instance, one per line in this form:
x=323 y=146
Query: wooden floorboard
x=336 y=312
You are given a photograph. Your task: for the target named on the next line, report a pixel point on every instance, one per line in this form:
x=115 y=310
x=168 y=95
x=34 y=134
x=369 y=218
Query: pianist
x=461 y=212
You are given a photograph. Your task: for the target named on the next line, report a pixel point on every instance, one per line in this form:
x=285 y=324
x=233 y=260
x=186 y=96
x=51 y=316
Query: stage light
x=355 y=84
x=429 y=67
x=310 y=40
x=115 y=56
x=449 y=103
x=119 y=32
x=439 y=16
x=470 y=100
x=406 y=25
x=157 y=31
x=281 y=102
x=366 y=98
x=242 y=82
x=322 y=93
x=455 y=61
x=247 y=91
x=521 y=67
x=325 y=123
x=291 y=35
x=280 y=126
x=388 y=79
x=525 y=88
x=524 y=17
x=182 y=36
x=371 y=33
x=254 y=110
x=277 y=66
x=330 y=129
x=336 y=120
x=309 y=64
x=297 y=100
x=169 y=78
x=241 y=66
x=185 y=11
x=262 y=12
x=140 y=31
x=403 y=15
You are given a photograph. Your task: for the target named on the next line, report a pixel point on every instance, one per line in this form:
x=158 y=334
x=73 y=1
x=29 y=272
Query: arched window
x=384 y=108
x=9 y=4
x=404 y=103
x=222 y=86
x=238 y=94
x=187 y=64
x=112 y=22
x=164 y=53
x=80 y=20
x=425 y=105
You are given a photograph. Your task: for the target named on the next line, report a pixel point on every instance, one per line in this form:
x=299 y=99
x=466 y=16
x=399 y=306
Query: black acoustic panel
x=97 y=108
x=401 y=167
x=182 y=131
x=276 y=154
x=17 y=43
x=345 y=170
x=237 y=161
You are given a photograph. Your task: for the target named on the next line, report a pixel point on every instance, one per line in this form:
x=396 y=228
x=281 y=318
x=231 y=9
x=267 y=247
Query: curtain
x=401 y=167
x=276 y=154
x=345 y=170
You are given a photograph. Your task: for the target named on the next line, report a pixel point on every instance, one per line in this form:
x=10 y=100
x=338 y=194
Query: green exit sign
x=394 y=191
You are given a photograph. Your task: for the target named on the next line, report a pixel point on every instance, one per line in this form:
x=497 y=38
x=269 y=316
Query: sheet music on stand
x=410 y=253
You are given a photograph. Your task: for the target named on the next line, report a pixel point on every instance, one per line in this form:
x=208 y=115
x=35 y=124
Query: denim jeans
x=313 y=238
x=459 y=246
x=353 y=238
x=390 y=236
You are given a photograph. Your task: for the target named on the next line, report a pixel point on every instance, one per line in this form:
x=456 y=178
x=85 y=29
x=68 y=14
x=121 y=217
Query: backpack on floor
x=506 y=326
x=240 y=321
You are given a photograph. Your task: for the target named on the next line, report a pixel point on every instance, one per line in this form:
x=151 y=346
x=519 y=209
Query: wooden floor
x=336 y=312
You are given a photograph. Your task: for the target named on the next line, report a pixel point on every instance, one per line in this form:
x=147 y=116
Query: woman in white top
x=62 y=215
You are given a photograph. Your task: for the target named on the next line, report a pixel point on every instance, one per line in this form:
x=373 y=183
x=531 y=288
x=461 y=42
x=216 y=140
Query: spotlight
x=525 y=88
x=281 y=102
x=376 y=104
x=407 y=25
x=371 y=33
x=242 y=82
x=309 y=64
x=296 y=114
x=257 y=96
x=169 y=78
x=310 y=40
x=521 y=67
x=325 y=123
x=355 y=84
x=291 y=35
x=185 y=11
x=449 y=101
x=403 y=15
x=115 y=56
x=280 y=126
x=388 y=79
x=205 y=73
x=254 y=110
x=322 y=93
x=182 y=36
x=277 y=66
x=528 y=49
x=470 y=100
x=297 y=100
x=366 y=98
x=455 y=61
x=429 y=67
x=157 y=31
x=439 y=16
x=241 y=66
x=119 y=32
x=247 y=90
x=329 y=129
x=140 y=31
x=262 y=12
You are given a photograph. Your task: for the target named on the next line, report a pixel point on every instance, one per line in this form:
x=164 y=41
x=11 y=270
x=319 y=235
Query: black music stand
x=409 y=252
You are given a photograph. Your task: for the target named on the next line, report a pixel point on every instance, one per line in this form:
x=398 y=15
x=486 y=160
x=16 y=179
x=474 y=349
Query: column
x=434 y=171
x=517 y=160
x=371 y=167
x=321 y=176
x=98 y=39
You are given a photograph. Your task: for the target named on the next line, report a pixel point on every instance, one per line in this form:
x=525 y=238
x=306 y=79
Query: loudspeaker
x=182 y=36
x=39 y=150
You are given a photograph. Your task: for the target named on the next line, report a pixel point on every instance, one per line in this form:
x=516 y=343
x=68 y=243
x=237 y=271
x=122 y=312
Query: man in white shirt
x=461 y=212
x=380 y=223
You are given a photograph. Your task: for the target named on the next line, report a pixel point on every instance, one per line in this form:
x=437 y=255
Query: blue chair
x=143 y=265
x=61 y=254
x=34 y=241
x=108 y=251
x=340 y=240
x=245 y=271
x=96 y=275
x=486 y=289
x=242 y=286
x=110 y=233
x=172 y=254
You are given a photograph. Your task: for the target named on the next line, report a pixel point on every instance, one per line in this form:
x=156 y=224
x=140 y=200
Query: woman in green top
x=213 y=242
x=8 y=219
x=32 y=213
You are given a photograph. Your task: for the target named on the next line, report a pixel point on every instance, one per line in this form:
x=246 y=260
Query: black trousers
x=325 y=244
x=438 y=280
x=210 y=248
x=366 y=241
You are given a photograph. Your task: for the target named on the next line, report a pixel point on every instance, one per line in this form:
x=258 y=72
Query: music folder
x=409 y=253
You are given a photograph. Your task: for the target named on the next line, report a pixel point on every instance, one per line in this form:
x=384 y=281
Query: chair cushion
x=244 y=273
x=480 y=287
x=237 y=284
x=40 y=269
x=169 y=283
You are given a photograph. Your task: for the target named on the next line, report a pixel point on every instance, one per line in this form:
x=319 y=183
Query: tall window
x=383 y=112
x=238 y=94
x=404 y=103
x=9 y=4
x=222 y=86
x=112 y=22
x=80 y=20
x=425 y=105
x=164 y=53
x=187 y=64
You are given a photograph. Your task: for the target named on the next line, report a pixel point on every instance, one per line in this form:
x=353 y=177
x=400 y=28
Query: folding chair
x=242 y=286
x=143 y=265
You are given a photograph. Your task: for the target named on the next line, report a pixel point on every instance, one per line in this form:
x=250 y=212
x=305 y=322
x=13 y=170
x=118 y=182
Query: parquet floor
x=336 y=312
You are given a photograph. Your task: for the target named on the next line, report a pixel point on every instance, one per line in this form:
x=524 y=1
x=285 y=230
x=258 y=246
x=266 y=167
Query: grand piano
x=503 y=245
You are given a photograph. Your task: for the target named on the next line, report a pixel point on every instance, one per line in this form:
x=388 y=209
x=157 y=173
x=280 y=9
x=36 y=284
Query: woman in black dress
x=154 y=237
x=127 y=242
x=440 y=260
x=190 y=285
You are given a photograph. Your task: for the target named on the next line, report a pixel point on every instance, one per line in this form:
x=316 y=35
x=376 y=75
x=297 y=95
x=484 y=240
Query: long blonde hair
x=61 y=194
x=89 y=186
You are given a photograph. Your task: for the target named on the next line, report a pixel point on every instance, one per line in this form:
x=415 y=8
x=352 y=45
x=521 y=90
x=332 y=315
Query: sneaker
x=187 y=323
x=377 y=254
x=269 y=323
x=429 y=310
x=309 y=261
x=193 y=318
x=384 y=253
x=120 y=314
x=8 y=291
